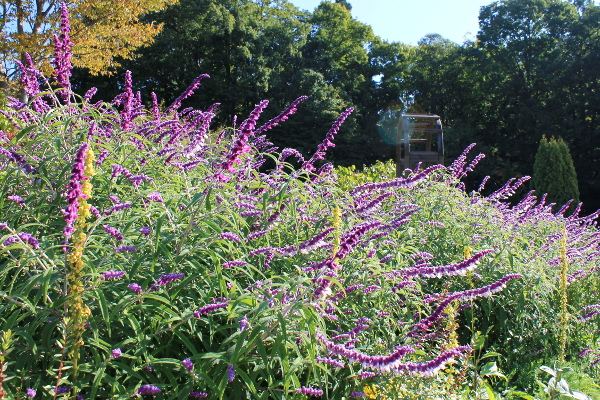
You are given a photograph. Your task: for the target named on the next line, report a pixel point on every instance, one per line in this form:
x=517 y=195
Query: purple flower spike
x=126 y=249
x=188 y=364
x=355 y=395
x=62 y=52
x=330 y=361
x=230 y=264
x=327 y=142
x=230 y=373
x=62 y=389
x=79 y=397
x=116 y=353
x=155 y=196
x=16 y=199
x=366 y=374
x=148 y=389
x=164 y=279
x=210 y=308
x=460 y=268
x=134 y=287
x=198 y=395
x=244 y=324
x=310 y=391
x=114 y=232
x=106 y=275
x=230 y=236
x=31 y=393
x=281 y=117
x=74 y=190
x=145 y=231
x=187 y=93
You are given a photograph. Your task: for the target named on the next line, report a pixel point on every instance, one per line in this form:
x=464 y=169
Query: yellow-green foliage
x=381 y=171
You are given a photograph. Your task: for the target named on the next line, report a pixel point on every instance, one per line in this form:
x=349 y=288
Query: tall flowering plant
x=191 y=272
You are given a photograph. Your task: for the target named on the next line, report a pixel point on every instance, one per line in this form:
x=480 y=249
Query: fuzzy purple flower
x=330 y=361
x=460 y=268
x=114 y=232
x=95 y=212
x=126 y=249
x=230 y=236
x=398 y=182
x=234 y=263
x=145 y=230
x=230 y=373
x=281 y=117
x=148 y=389
x=134 y=287
x=117 y=207
x=209 y=308
x=309 y=391
x=355 y=395
x=62 y=389
x=155 y=196
x=240 y=146
x=25 y=237
x=198 y=395
x=366 y=374
x=187 y=93
x=166 y=278
x=62 y=53
x=106 y=275
x=188 y=364
x=74 y=190
x=30 y=393
x=327 y=142
x=116 y=353
x=16 y=199
x=244 y=324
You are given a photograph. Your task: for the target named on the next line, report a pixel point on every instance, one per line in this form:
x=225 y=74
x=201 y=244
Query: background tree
x=100 y=30
x=554 y=173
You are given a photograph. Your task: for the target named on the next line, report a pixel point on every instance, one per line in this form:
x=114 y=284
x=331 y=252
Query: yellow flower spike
x=78 y=312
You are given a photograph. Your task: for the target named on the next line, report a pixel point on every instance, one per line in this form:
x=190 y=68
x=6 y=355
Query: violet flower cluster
x=74 y=191
x=62 y=51
x=25 y=237
x=187 y=93
x=240 y=146
x=209 y=308
x=327 y=142
x=106 y=275
x=188 y=364
x=114 y=232
x=230 y=373
x=284 y=115
x=148 y=389
x=166 y=278
x=460 y=268
x=309 y=391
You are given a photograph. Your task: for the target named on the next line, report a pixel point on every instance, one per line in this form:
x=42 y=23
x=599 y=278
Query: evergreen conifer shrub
x=554 y=172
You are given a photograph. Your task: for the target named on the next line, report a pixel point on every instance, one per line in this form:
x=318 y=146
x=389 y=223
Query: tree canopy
x=101 y=30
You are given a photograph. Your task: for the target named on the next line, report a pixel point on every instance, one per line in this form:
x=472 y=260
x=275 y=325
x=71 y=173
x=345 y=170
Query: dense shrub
x=144 y=255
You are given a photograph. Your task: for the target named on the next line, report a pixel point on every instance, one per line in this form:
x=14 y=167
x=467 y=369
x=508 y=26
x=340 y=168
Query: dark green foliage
x=554 y=173
x=531 y=71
